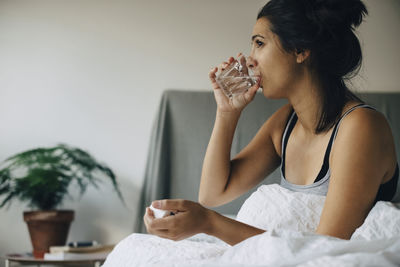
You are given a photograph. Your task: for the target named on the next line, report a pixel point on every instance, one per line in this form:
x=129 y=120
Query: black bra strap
x=289 y=127
x=325 y=165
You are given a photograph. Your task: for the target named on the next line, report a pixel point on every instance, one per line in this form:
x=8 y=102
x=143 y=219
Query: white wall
x=91 y=73
x=380 y=40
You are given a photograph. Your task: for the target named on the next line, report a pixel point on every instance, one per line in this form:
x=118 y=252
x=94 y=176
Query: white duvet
x=290 y=219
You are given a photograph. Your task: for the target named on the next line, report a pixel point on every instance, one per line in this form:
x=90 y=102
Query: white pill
x=159 y=213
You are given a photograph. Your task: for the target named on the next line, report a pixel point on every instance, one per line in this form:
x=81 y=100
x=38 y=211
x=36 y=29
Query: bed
x=179 y=139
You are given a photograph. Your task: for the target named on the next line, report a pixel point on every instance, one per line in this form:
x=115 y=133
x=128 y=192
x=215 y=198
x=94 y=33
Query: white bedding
x=290 y=219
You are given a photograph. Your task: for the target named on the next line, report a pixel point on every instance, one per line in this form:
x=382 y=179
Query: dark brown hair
x=325 y=28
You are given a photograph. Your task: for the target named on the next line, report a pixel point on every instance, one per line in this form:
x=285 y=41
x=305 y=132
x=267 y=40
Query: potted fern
x=42 y=177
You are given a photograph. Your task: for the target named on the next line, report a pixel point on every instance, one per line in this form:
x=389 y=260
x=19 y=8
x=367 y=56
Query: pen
x=82 y=244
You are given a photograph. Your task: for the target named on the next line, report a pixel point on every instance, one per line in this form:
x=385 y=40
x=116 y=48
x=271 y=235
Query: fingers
x=172 y=204
x=165 y=227
x=165 y=223
x=148 y=216
x=154 y=224
x=242 y=61
x=212 y=75
x=252 y=91
x=225 y=64
x=150 y=212
x=147 y=219
x=154 y=231
x=221 y=67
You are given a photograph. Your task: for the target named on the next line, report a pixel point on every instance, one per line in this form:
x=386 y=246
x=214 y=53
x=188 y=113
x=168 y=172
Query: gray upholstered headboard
x=182 y=130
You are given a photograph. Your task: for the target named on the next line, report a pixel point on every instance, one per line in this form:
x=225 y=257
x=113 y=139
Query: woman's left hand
x=190 y=218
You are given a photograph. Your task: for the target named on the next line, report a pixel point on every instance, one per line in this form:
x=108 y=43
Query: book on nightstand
x=78 y=253
x=84 y=249
x=76 y=256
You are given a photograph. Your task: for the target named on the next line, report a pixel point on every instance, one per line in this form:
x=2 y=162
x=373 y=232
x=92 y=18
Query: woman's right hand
x=237 y=102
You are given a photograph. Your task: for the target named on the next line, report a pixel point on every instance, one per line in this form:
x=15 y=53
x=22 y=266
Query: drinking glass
x=233 y=80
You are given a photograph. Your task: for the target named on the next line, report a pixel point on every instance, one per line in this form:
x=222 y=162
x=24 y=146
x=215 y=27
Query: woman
x=302 y=50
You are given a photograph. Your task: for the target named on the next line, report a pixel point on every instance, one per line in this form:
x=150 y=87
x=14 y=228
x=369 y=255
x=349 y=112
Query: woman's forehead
x=262 y=28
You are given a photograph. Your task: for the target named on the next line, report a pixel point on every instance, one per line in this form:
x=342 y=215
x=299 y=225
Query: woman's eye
x=258 y=43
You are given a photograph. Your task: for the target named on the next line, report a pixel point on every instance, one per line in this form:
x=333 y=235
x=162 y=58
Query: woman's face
x=276 y=67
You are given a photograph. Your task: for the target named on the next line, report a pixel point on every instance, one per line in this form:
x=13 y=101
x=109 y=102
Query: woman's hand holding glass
x=238 y=101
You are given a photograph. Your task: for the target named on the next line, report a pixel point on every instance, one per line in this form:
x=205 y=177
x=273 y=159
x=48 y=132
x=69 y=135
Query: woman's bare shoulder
x=372 y=127
x=366 y=121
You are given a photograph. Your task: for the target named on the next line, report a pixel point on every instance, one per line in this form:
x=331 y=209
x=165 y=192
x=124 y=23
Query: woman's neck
x=307 y=101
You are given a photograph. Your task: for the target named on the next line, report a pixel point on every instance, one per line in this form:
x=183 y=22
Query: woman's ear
x=302 y=55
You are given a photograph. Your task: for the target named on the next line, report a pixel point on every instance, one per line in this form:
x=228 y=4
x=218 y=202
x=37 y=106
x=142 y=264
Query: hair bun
x=337 y=13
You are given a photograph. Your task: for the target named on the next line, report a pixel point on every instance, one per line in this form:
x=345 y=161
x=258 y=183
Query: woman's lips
x=258 y=77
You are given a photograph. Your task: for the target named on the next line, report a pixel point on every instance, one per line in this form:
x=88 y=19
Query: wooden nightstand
x=28 y=259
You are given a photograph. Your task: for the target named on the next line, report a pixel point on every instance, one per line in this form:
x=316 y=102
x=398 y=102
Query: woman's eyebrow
x=255 y=36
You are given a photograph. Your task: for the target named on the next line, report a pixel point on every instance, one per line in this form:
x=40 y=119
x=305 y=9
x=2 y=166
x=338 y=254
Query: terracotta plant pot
x=48 y=228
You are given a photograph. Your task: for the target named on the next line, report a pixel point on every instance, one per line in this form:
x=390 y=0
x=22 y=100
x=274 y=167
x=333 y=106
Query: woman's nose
x=251 y=63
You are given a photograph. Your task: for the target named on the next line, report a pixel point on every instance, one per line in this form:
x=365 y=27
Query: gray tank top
x=321 y=183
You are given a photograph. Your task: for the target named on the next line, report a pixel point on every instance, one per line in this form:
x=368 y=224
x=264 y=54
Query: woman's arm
x=191 y=218
x=229 y=230
x=216 y=164
x=223 y=179
x=362 y=156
